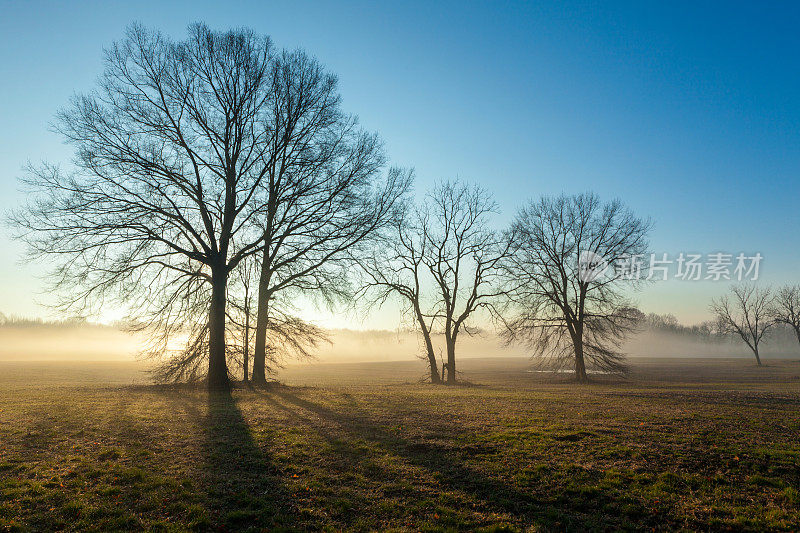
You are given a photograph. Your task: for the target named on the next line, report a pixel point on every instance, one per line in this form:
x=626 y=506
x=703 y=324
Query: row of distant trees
x=23 y=322
x=713 y=330
x=217 y=183
x=780 y=320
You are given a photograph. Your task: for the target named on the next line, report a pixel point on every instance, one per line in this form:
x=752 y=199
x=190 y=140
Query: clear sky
x=687 y=111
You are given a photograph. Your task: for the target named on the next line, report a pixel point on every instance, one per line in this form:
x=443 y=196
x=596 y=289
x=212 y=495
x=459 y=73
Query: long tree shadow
x=245 y=490
x=447 y=464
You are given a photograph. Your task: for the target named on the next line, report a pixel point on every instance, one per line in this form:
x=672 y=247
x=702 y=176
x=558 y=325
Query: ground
x=685 y=444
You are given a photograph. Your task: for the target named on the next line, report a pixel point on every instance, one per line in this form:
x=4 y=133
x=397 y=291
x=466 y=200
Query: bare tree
x=323 y=193
x=170 y=162
x=746 y=311
x=395 y=268
x=572 y=256
x=241 y=296
x=786 y=308
x=463 y=255
x=288 y=336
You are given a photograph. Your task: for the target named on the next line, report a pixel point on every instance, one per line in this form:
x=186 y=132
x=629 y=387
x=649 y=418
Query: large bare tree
x=746 y=312
x=786 y=307
x=171 y=156
x=324 y=194
x=573 y=256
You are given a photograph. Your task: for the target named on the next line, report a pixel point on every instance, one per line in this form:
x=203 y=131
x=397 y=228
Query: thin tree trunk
x=432 y=362
x=262 y=314
x=580 y=365
x=217 y=366
x=451 y=359
x=758 y=359
x=428 y=348
x=246 y=353
x=260 y=350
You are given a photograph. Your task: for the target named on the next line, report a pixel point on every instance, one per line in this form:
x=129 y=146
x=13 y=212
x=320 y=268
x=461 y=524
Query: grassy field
x=681 y=444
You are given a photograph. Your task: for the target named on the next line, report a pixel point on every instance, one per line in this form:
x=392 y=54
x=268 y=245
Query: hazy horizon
x=96 y=343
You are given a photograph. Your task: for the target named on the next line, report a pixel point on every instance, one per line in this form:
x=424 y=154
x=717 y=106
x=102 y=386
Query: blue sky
x=689 y=112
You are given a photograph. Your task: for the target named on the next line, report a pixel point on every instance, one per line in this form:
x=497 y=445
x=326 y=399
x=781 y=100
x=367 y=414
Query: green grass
x=367 y=447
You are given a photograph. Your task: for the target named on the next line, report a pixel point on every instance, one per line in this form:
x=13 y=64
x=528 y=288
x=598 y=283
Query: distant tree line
x=713 y=330
x=7 y=321
x=707 y=330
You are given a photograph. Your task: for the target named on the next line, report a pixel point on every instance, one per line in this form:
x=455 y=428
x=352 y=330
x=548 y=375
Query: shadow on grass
x=447 y=464
x=245 y=490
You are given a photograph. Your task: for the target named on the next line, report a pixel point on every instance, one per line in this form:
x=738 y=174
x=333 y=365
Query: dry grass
x=679 y=445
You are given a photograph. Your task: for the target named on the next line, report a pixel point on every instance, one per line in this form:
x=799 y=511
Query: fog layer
x=42 y=341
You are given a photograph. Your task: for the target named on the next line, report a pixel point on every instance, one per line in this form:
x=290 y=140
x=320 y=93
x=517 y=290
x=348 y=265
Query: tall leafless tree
x=786 y=307
x=746 y=311
x=171 y=157
x=463 y=255
x=395 y=268
x=560 y=307
x=323 y=193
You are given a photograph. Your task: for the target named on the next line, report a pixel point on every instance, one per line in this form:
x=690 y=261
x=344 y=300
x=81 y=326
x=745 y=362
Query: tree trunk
x=432 y=361
x=451 y=359
x=246 y=346
x=260 y=350
x=262 y=315
x=758 y=359
x=580 y=365
x=217 y=365
x=429 y=348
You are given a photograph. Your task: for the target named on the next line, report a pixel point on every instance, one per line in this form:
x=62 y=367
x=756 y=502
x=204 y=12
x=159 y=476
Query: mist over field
x=64 y=341
x=91 y=342
x=43 y=341
x=665 y=344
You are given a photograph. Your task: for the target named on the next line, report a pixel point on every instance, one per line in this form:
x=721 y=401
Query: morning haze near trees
x=217 y=179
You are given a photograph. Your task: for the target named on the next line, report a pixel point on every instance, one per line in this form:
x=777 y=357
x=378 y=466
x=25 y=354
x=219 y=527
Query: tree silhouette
x=323 y=193
x=746 y=312
x=560 y=310
x=443 y=261
x=464 y=256
x=786 y=307
x=395 y=268
x=170 y=160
